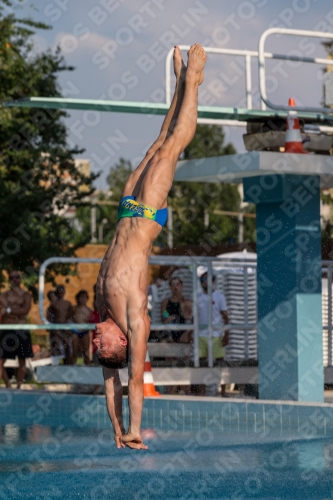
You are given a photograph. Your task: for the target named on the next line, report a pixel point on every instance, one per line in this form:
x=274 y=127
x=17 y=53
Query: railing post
x=248 y=81
x=93 y=238
x=168 y=77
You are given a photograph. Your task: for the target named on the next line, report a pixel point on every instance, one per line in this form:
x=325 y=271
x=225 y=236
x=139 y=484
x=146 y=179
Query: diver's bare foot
x=196 y=63
x=178 y=64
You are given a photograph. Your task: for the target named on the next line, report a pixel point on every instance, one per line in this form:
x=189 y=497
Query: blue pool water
x=61 y=446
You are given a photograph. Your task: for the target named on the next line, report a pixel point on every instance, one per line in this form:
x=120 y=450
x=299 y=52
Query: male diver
x=123 y=278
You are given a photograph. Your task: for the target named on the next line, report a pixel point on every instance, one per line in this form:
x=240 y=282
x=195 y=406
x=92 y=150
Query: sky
x=119 y=47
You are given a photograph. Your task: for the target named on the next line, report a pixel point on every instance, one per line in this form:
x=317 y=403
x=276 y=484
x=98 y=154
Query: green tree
x=117 y=179
x=106 y=203
x=38 y=178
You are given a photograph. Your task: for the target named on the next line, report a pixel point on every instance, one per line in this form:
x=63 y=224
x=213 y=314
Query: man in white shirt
x=219 y=316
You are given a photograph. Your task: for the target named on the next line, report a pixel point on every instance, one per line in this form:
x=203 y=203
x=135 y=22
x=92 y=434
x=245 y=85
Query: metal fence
x=261 y=56
x=217 y=266
x=192 y=264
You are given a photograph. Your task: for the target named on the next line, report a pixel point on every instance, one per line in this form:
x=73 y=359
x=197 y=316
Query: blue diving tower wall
x=290 y=346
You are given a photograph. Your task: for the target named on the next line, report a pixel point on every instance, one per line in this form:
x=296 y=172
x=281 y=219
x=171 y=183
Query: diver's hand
x=134 y=442
x=119 y=443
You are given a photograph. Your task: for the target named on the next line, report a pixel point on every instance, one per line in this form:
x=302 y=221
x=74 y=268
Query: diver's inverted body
x=123 y=279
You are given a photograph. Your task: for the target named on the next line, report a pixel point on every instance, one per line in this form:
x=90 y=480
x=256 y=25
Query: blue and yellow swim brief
x=129 y=207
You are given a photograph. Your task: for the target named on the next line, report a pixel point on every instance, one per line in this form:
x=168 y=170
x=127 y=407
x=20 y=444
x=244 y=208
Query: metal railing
x=261 y=55
x=190 y=262
x=211 y=263
x=247 y=54
x=314 y=60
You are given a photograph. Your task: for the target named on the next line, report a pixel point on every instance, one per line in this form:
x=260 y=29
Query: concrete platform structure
x=235 y=168
x=90 y=375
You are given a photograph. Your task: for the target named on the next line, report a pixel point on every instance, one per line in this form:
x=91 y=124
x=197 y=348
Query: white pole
x=206 y=219
x=195 y=316
x=93 y=223
x=243 y=204
x=170 y=228
x=100 y=230
x=248 y=83
x=240 y=228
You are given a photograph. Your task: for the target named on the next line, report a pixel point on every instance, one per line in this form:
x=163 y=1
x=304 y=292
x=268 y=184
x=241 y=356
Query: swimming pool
x=61 y=446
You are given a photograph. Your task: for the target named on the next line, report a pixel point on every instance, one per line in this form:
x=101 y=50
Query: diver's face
x=108 y=338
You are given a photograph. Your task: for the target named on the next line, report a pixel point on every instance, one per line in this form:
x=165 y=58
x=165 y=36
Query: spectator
x=81 y=339
x=219 y=316
x=94 y=317
x=49 y=311
x=63 y=313
x=15 y=304
x=177 y=310
x=55 y=341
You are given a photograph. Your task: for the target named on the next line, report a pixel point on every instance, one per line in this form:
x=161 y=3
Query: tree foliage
x=38 y=178
x=116 y=179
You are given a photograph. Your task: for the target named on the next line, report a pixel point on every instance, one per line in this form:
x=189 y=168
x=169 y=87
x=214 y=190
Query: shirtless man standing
x=15 y=304
x=123 y=278
x=81 y=338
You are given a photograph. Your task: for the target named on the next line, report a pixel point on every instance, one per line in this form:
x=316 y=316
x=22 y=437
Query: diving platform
x=161 y=109
x=236 y=168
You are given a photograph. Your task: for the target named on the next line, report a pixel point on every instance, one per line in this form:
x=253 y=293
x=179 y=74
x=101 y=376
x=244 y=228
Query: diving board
x=148 y=108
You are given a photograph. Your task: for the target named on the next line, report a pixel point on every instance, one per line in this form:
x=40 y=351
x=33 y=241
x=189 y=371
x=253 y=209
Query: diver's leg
x=160 y=171
x=168 y=123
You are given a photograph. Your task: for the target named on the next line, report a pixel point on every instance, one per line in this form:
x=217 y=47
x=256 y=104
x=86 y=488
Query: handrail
x=154 y=259
x=261 y=60
x=191 y=262
x=90 y=326
x=212 y=50
x=46 y=263
x=261 y=55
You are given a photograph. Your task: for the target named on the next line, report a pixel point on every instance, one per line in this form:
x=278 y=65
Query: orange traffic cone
x=293 y=142
x=148 y=381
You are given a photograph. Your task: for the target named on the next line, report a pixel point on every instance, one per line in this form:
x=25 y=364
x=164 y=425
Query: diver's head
x=112 y=345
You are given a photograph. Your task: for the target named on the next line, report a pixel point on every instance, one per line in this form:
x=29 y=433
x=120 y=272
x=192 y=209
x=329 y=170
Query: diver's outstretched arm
x=114 y=396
